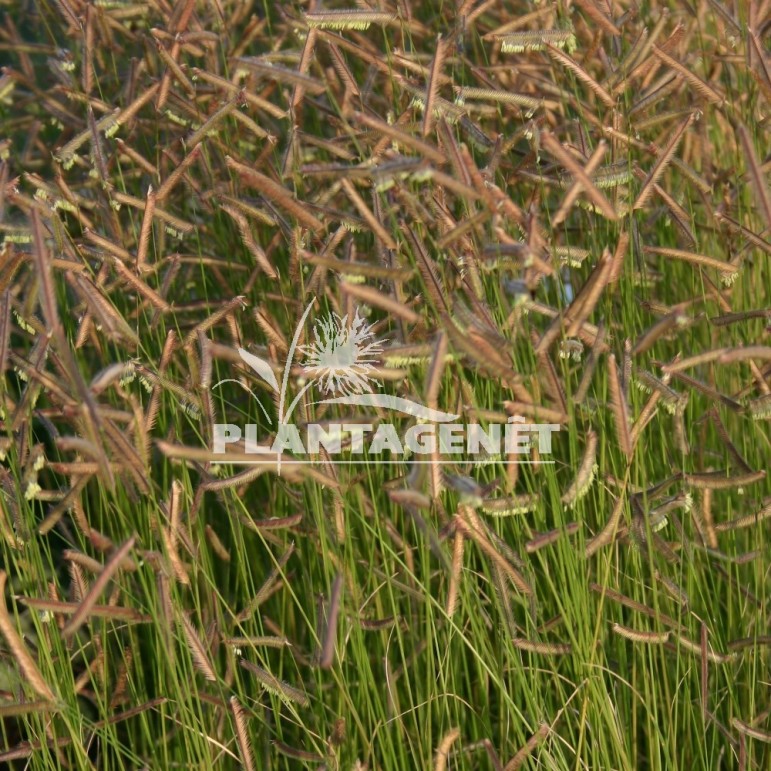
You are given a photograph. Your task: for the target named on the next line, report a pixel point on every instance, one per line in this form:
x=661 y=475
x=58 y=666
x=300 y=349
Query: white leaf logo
x=261 y=367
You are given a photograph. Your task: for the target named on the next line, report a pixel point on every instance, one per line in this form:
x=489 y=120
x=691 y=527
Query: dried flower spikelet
x=18 y=237
x=612 y=177
x=342 y=19
x=180 y=121
x=659 y=524
x=536 y=40
x=112 y=129
x=61 y=204
x=442 y=108
x=571 y=349
x=585 y=475
x=340 y=24
x=146 y=384
x=570 y=256
x=130 y=373
x=418 y=102
x=191 y=410
x=6 y=91
x=33 y=488
x=398 y=361
x=760 y=409
x=583 y=487
x=23 y=323
x=511 y=506
x=424 y=175
x=642 y=387
x=469 y=491
x=351 y=279
x=671 y=404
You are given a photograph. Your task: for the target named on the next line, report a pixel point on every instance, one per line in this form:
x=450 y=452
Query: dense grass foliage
x=553 y=210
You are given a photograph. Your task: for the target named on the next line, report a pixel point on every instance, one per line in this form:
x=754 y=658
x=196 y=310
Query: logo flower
x=342 y=356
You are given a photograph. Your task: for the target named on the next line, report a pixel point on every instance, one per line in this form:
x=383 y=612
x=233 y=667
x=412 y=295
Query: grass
x=366 y=615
